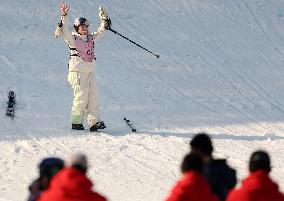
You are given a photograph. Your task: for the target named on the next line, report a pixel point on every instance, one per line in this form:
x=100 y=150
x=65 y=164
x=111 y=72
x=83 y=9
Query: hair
x=77 y=160
x=203 y=143
x=50 y=166
x=81 y=168
x=78 y=22
x=259 y=160
x=47 y=169
x=190 y=162
x=76 y=28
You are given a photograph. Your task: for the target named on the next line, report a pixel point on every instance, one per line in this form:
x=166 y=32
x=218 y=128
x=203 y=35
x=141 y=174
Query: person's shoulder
x=220 y=164
x=218 y=161
x=220 y=168
x=234 y=195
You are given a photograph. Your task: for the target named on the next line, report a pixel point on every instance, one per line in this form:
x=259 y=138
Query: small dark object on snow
x=10 y=111
x=77 y=127
x=128 y=123
x=98 y=125
x=12 y=97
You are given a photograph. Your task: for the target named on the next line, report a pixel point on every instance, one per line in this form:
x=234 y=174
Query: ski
x=10 y=110
x=128 y=122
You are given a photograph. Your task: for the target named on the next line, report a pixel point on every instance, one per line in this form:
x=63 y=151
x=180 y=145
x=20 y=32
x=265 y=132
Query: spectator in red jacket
x=71 y=183
x=192 y=186
x=258 y=186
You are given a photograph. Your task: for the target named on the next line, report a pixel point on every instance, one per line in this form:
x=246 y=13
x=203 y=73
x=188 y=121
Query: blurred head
x=77 y=160
x=48 y=167
x=201 y=144
x=259 y=160
x=191 y=162
x=81 y=25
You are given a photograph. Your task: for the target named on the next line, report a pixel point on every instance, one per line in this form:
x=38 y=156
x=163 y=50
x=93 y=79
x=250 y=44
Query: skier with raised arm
x=82 y=68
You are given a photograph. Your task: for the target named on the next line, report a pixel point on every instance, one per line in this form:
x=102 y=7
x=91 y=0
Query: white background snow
x=221 y=70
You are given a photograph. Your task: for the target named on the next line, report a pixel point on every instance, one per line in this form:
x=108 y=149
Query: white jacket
x=77 y=64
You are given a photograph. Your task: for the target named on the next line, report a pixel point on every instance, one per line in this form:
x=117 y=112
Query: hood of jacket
x=257 y=187
x=260 y=180
x=192 y=187
x=71 y=182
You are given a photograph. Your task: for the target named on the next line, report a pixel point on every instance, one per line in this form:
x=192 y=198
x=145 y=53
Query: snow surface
x=220 y=71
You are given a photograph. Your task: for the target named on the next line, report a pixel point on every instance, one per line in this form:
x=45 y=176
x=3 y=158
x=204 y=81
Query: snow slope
x=220 y=70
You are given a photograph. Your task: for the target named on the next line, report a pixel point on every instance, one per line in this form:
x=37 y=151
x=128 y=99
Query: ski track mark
x=260 y=94
x=195 y=19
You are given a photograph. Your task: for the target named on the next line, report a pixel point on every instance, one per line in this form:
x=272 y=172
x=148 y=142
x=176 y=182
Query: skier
x=82 y=68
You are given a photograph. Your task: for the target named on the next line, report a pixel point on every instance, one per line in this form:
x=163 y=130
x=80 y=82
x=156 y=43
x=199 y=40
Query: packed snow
x=220 y=71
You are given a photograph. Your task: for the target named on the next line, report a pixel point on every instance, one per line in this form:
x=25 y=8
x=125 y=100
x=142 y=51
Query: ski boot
x=77 y=127
x=98 y=125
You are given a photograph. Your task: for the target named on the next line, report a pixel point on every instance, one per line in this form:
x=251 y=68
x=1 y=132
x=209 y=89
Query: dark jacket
x=257 y=187
x=70 y=184
x=221 y=177
x=35 y=190
x=192 y=187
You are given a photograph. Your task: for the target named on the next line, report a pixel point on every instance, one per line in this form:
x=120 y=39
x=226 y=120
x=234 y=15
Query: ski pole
x=128 y=123
x=115 y=32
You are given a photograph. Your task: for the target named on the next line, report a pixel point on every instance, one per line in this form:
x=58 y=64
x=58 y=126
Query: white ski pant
x=86 y=98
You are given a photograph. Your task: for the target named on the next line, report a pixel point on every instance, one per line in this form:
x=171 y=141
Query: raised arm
x=104 y=24
x=65 y=30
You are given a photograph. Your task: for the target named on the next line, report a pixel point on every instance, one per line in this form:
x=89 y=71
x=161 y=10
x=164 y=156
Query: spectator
x=71 y=183
x=47 y=169
x=258 y=186
x=221 y=177
x=192 y=186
